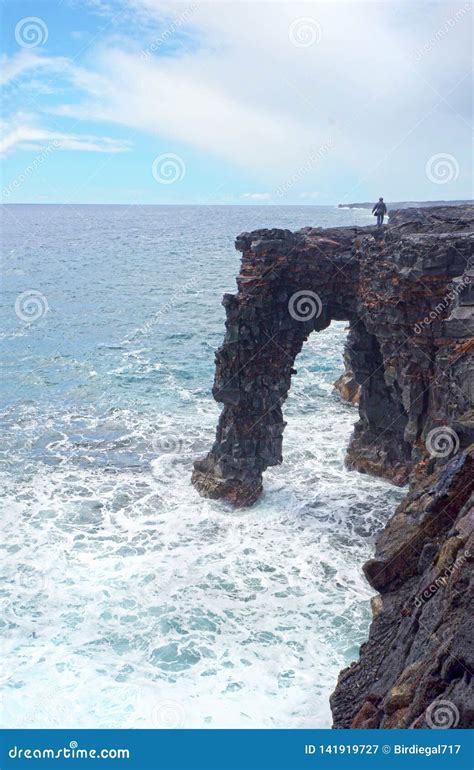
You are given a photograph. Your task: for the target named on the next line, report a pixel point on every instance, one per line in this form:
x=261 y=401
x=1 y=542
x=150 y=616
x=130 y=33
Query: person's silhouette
x=379 y=211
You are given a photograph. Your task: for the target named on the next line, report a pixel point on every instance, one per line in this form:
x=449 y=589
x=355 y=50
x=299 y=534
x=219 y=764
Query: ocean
x=128 y=600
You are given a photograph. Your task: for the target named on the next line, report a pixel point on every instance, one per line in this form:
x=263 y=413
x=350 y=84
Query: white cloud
x=241 y=90
x=248 y=95
x=23 y=131
x=310 y=195
x=258 y=196
x=27 y=137
x=172 y=98
x=13 y=67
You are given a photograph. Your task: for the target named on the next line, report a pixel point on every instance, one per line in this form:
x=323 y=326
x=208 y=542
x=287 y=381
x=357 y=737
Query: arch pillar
x=290 y=285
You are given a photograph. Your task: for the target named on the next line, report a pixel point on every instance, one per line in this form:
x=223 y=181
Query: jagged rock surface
x=408 y=300
x=416 y=668
x=346 y=385
x=407 y=293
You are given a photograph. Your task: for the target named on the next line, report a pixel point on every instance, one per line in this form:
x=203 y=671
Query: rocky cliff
x=407 y=293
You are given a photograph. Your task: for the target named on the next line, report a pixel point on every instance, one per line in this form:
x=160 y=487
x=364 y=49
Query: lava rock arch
x=291 y=284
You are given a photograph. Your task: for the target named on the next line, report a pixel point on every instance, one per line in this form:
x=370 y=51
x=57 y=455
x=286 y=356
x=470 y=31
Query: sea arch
x=290 y=285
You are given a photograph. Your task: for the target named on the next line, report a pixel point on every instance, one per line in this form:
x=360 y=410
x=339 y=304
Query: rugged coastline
x=404 y=204
x=407 y=295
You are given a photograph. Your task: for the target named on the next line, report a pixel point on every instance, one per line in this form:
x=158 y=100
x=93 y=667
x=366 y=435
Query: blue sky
x=161 y=101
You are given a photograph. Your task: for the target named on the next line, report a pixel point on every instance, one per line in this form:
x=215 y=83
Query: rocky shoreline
x=407 y=294
x=404 y=204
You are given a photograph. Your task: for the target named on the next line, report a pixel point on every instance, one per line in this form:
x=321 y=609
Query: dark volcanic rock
x=439 y=219
x=420 y=648
x=408 y=299
x=407 y=294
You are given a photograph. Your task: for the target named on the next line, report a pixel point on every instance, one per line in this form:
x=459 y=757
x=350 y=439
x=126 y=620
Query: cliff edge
x=407 y=293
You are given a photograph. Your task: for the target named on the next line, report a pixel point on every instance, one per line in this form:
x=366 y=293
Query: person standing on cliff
x=379 y=211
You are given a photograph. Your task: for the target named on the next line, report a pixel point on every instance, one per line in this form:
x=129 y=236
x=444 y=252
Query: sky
x=232 y=102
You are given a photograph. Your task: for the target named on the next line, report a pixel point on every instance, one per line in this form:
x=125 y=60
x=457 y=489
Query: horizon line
x=230 y=205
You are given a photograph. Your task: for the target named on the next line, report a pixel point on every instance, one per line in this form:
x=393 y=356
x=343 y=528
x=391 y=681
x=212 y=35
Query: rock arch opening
x=407 y=294
x=292 y=284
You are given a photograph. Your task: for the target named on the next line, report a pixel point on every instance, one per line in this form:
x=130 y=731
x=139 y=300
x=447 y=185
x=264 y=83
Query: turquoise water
x=129 y=601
